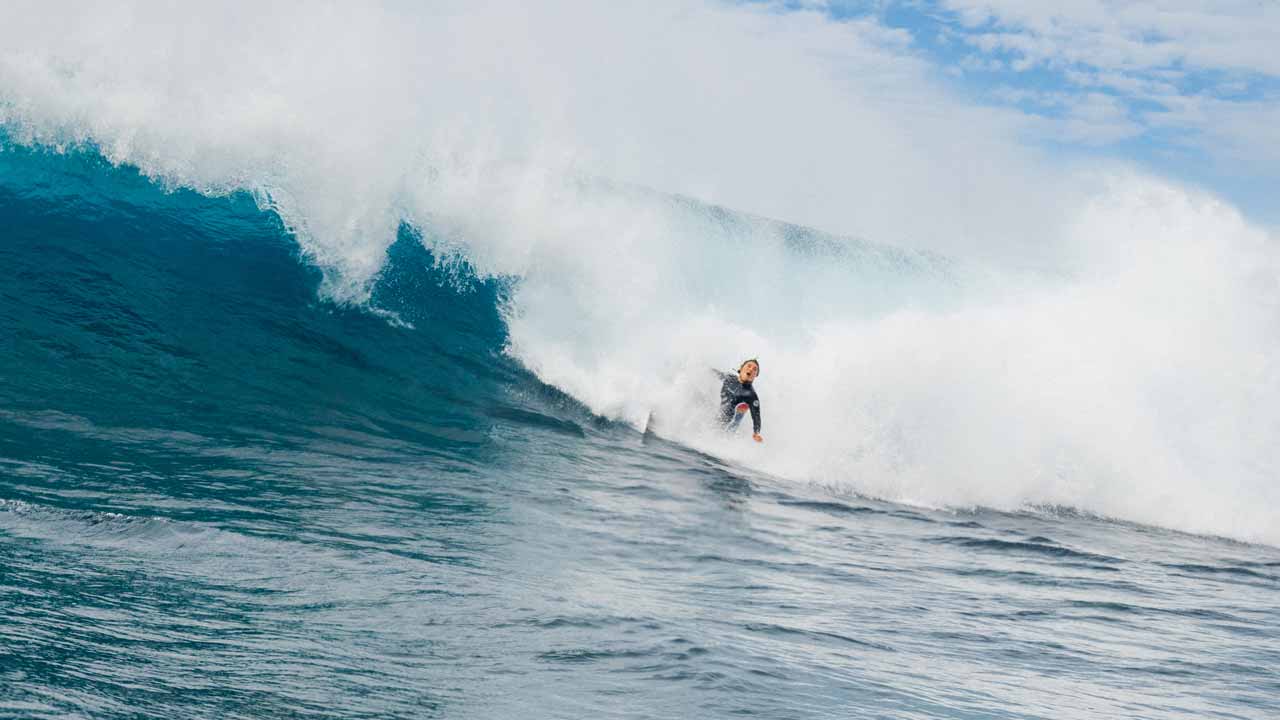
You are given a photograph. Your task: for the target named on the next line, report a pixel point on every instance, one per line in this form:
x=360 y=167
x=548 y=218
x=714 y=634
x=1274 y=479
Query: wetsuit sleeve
x=726 y=398
x=755 y=415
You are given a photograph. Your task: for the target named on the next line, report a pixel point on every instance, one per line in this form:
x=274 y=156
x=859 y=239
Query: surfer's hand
x=756 y=437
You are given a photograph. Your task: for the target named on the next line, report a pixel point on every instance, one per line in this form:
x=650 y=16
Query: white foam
x=336 y=115
x=1142 y=385
x=1137 y=380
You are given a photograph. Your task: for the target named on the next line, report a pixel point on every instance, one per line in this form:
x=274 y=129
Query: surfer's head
x=749 y=370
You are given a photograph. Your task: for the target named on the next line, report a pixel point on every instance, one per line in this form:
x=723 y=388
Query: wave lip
x=1104 y=380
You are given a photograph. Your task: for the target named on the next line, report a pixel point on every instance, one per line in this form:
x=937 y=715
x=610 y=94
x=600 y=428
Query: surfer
x=737 y=397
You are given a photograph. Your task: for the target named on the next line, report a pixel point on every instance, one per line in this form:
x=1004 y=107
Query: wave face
x=1133 y=386
x=1133 y=376
x=129 y=306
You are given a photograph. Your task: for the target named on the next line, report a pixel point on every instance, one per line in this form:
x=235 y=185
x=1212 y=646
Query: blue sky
x=1190 y=90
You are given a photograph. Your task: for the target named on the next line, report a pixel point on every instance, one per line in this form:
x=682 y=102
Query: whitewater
x=358 y=364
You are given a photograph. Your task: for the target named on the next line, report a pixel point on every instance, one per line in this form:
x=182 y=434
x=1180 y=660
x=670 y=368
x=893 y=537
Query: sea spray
x=1130 y=375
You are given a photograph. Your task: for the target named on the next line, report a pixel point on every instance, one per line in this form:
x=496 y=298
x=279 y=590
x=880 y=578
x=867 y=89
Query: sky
x=1187 y=88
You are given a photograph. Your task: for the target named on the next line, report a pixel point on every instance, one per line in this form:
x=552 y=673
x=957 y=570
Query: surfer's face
x=748 y=372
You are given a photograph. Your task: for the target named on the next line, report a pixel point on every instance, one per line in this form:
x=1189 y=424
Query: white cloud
x=1206 y=34
x=1098 y=119
x=1245 y=135
x=1190 y=66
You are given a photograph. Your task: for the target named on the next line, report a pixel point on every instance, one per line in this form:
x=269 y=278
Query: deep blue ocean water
x=222 y=496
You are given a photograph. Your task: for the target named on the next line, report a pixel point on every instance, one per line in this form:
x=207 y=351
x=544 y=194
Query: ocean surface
x=224 y=494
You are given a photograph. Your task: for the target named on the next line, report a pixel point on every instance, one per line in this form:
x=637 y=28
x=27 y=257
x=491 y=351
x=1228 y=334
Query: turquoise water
x=222 y=496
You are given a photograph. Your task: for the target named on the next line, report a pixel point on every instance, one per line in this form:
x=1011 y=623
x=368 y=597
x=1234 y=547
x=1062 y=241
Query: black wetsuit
x=733 y=392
